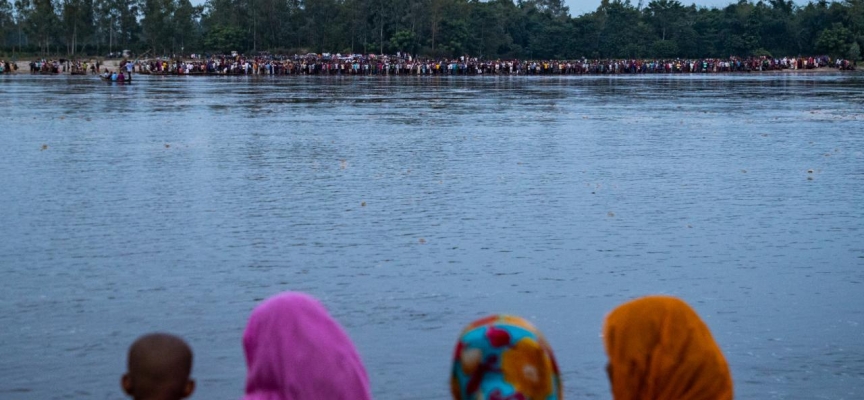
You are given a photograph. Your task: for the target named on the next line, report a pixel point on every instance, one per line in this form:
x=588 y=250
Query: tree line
x=535 y=29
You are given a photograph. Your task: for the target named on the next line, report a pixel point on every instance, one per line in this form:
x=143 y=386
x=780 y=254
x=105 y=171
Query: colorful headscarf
x=296 y=351
x=503 y=357
x=659 y=348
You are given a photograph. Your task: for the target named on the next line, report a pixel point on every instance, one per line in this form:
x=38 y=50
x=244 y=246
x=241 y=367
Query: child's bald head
x=159 y=368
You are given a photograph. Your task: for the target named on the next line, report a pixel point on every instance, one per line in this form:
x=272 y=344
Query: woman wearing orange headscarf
x=659 y=349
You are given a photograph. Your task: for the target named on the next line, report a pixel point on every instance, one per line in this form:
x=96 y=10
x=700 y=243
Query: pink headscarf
x=296 y=351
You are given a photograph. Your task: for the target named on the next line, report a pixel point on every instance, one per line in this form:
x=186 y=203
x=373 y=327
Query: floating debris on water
x=610 y=214
x=44 y=147
x=343 y=164
x=422 y=241
x=167 y=146
x=809 y=171
x=363 y=204
x=743 y=171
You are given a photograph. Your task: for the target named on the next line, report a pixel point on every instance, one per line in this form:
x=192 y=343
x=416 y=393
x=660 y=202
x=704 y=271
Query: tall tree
x=7 y=23
x=486 y=28
x=40 y=21
x=158 y=25
x=77 y=24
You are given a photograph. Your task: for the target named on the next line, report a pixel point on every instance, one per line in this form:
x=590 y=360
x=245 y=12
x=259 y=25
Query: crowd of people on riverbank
x=378 y=65
x=7 y=68
x=79 y=67
x=657 y=346
x=54 y=66
x=46 y=66
x=399 y=65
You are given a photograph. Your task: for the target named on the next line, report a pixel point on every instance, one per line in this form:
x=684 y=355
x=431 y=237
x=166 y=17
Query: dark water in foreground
x=177 y=204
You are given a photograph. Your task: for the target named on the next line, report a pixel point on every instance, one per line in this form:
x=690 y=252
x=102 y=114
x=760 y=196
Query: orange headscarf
x=659 y=349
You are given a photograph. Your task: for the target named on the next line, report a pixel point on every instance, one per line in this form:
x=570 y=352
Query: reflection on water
x=412 y=206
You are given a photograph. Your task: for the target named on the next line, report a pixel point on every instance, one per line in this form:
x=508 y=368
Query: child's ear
x=126 y=384
x=190 y=387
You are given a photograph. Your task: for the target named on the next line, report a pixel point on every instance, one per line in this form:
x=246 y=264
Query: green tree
x=487 y=28
x=553 y=8
x=835 y=41
x=490 y=26
x=665 y=49
x=854 y=53
x=186 y=27
x=319 y=28
x=77 y=24
x=663 y=15
x=454 y=37
x=157 y=25
x=224 y=39
x=7 y=23
x=40 y=21
x=620 y=37
x=403 y=40
x=125 y=15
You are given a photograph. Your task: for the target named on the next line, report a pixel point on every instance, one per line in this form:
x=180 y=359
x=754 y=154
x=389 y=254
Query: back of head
x=295 y=350
x=504 y=357
x=659 y=348
x=159 y=368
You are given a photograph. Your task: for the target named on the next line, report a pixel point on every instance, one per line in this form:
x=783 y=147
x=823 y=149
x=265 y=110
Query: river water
x=412 y=206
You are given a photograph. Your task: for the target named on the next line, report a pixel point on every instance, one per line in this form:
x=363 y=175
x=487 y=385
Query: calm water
x=177 y=204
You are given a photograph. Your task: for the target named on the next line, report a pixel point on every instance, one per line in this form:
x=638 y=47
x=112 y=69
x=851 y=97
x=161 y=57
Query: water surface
x=411 y=206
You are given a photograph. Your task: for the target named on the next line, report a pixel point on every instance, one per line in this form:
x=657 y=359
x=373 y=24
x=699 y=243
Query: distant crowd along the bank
x=395 y=65
x=657 y=346
x=7 y=67
x=56 y=66
x=401 y=65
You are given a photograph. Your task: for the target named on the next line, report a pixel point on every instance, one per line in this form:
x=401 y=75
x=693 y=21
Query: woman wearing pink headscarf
x=296 y=351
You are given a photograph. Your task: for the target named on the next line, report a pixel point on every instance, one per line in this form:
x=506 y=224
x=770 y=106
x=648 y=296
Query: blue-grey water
x=411 y=206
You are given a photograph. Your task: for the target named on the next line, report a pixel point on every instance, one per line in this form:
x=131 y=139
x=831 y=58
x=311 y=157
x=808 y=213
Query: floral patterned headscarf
x=502 y=357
